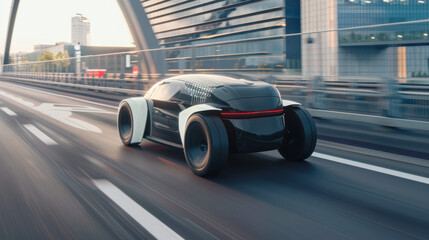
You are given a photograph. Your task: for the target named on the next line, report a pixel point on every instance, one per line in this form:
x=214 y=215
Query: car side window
x=167 y=91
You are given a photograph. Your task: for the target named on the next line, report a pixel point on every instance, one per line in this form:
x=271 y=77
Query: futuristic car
x=210 y=116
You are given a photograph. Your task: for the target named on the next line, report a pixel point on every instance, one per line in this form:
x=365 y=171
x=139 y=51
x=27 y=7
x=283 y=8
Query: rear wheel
x=206 y=144
x=300 y=134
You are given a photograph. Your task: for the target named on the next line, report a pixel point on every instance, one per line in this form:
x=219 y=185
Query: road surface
x=64 y=174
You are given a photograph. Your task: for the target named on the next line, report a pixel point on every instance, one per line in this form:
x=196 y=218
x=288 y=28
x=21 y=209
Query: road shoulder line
x=387 y=171
x=374 y=153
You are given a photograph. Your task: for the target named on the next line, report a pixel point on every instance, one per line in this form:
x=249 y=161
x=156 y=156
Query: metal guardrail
x=65 y=79
x=79 y=86
x=371 y=96
x=380 y=97
x=371 y=119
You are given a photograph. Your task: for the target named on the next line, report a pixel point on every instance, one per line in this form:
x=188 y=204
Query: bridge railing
x=352 y=71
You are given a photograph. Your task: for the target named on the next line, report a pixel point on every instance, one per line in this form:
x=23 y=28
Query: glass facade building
x=397 y=50
x=182 y=22
x=400 y=48
x=368 y=12
x=352 y=13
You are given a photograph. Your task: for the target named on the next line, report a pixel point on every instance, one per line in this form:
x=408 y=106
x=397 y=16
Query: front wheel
x=206 y=144
x=300 y=134
x=132 y=118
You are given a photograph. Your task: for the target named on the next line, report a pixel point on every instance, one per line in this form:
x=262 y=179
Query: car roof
x=210 y=80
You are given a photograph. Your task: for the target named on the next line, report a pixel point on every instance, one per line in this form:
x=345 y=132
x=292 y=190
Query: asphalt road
x=64 y=174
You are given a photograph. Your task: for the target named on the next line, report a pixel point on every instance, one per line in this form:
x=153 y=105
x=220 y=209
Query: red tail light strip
x=251 y=114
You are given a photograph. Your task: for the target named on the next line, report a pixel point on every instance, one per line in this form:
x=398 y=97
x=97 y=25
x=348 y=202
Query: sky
x=49 y=21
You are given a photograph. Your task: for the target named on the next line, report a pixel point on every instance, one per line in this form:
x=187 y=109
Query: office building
x=41 y=47
x=181 y=23
x=397 y=51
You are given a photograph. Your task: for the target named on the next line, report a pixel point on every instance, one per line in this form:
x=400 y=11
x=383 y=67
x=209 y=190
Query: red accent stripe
x=251 y=114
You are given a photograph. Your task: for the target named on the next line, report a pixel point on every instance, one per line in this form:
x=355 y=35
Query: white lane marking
x=63 y=96
x=64 y=115
x=60 y=112
x=158 y=229
x=39 y=134
x=375 y=153
x=79 y=108
x=8 y=111
x=387 y=171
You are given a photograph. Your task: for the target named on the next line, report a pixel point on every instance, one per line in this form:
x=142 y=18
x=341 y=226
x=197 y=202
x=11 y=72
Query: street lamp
x=77 y=54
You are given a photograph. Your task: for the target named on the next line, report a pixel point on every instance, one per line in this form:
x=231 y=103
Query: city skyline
x=108 y=27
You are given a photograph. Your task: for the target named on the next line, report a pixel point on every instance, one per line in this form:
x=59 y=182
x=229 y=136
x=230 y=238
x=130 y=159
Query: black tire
x=206 y=145
x=300 y=134
x=125 y=124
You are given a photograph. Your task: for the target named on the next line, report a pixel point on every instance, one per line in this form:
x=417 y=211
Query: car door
x=165 y=111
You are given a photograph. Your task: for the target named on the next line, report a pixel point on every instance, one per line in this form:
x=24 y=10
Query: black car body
x=247 y=116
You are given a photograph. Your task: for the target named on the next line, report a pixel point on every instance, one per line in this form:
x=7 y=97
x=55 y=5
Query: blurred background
x=369 y=57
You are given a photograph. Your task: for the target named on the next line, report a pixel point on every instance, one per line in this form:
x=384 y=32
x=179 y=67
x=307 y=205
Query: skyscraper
x=81 y=28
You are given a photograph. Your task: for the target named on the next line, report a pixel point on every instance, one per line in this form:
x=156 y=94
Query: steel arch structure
x=12 y=17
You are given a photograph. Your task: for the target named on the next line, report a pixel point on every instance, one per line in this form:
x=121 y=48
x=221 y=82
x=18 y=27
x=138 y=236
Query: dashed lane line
x=8 y=111
x=154 y=226
x=40 y=135
x=370 y=167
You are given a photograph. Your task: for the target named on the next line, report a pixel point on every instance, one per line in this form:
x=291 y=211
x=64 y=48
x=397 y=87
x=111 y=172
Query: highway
x=64 y=174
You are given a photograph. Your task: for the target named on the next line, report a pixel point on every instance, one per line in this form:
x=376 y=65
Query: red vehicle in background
x=98 y=73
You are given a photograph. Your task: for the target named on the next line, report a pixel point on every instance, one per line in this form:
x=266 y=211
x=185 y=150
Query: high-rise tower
x=81 y=28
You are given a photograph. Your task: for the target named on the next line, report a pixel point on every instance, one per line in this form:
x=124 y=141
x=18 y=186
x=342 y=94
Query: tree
x=46 y=56
x=59 y=55
x=64 y=62
x=66 y=54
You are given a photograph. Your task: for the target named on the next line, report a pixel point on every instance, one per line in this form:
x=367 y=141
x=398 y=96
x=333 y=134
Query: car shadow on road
x=249 y=165
x=168 y=153
x=261 y=165
x=241 y=168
